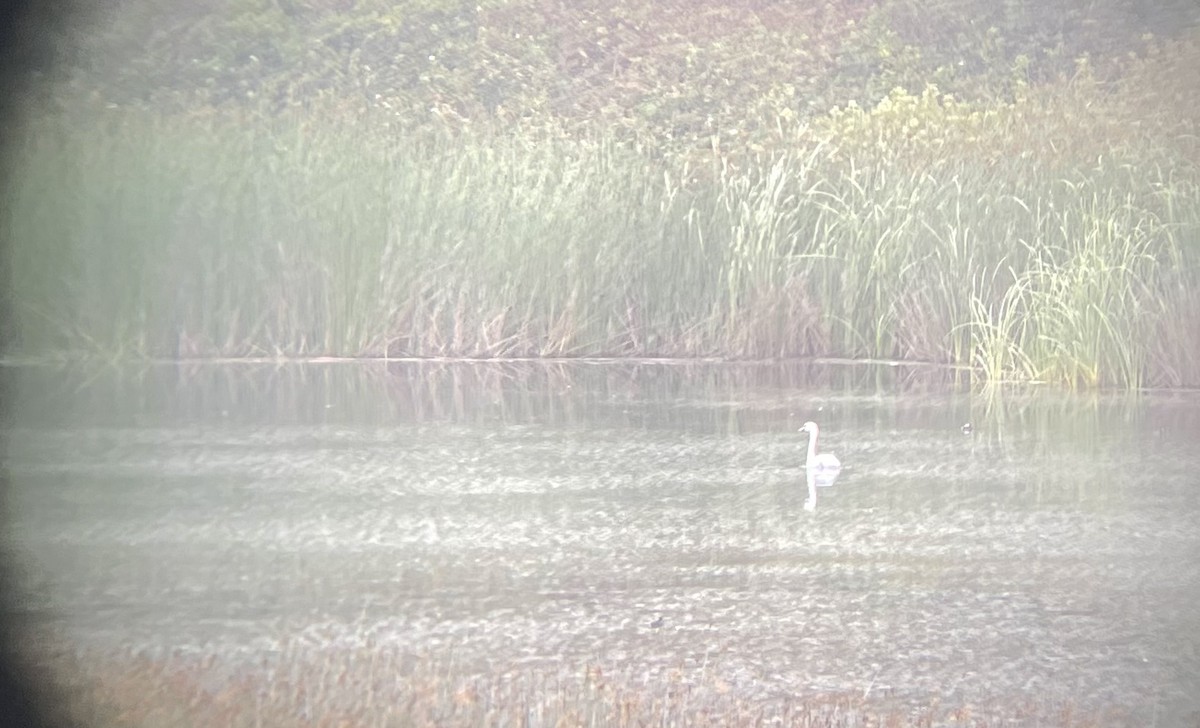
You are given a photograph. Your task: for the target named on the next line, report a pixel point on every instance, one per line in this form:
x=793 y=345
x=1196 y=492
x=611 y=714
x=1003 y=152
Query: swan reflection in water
x=818 y=479
x=821 y=471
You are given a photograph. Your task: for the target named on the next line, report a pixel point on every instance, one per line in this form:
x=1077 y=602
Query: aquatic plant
x=1048 y=237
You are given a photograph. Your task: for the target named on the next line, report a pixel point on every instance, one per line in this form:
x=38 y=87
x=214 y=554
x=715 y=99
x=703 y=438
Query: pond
x=514 y=531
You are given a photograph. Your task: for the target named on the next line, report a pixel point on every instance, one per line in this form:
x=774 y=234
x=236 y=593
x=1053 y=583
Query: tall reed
x=136 y=234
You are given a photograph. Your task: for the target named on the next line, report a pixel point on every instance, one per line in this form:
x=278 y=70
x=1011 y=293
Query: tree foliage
x=678 y=73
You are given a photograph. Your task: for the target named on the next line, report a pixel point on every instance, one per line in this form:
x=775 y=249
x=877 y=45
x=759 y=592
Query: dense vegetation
x=1004 y=185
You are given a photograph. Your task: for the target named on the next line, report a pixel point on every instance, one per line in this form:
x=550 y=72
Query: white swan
x=826 y=460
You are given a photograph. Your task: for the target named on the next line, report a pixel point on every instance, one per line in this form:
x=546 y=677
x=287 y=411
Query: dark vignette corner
x=27 y=52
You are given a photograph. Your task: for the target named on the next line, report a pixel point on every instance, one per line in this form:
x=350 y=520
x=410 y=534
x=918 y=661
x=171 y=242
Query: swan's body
x=815 y=462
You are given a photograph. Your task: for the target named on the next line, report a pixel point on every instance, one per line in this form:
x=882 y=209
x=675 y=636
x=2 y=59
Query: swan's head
x=809 y=427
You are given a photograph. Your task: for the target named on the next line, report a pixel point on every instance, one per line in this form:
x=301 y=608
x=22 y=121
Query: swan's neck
x=812 y=445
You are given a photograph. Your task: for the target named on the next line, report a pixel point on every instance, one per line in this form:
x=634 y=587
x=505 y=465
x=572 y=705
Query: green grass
x=139 y=234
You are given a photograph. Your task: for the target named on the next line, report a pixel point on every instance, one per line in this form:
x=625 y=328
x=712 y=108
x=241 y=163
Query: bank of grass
x=1055 y=237
x=374 y=686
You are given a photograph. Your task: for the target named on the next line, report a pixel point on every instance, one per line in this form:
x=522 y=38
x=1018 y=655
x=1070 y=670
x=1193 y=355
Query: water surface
x=647 y=519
